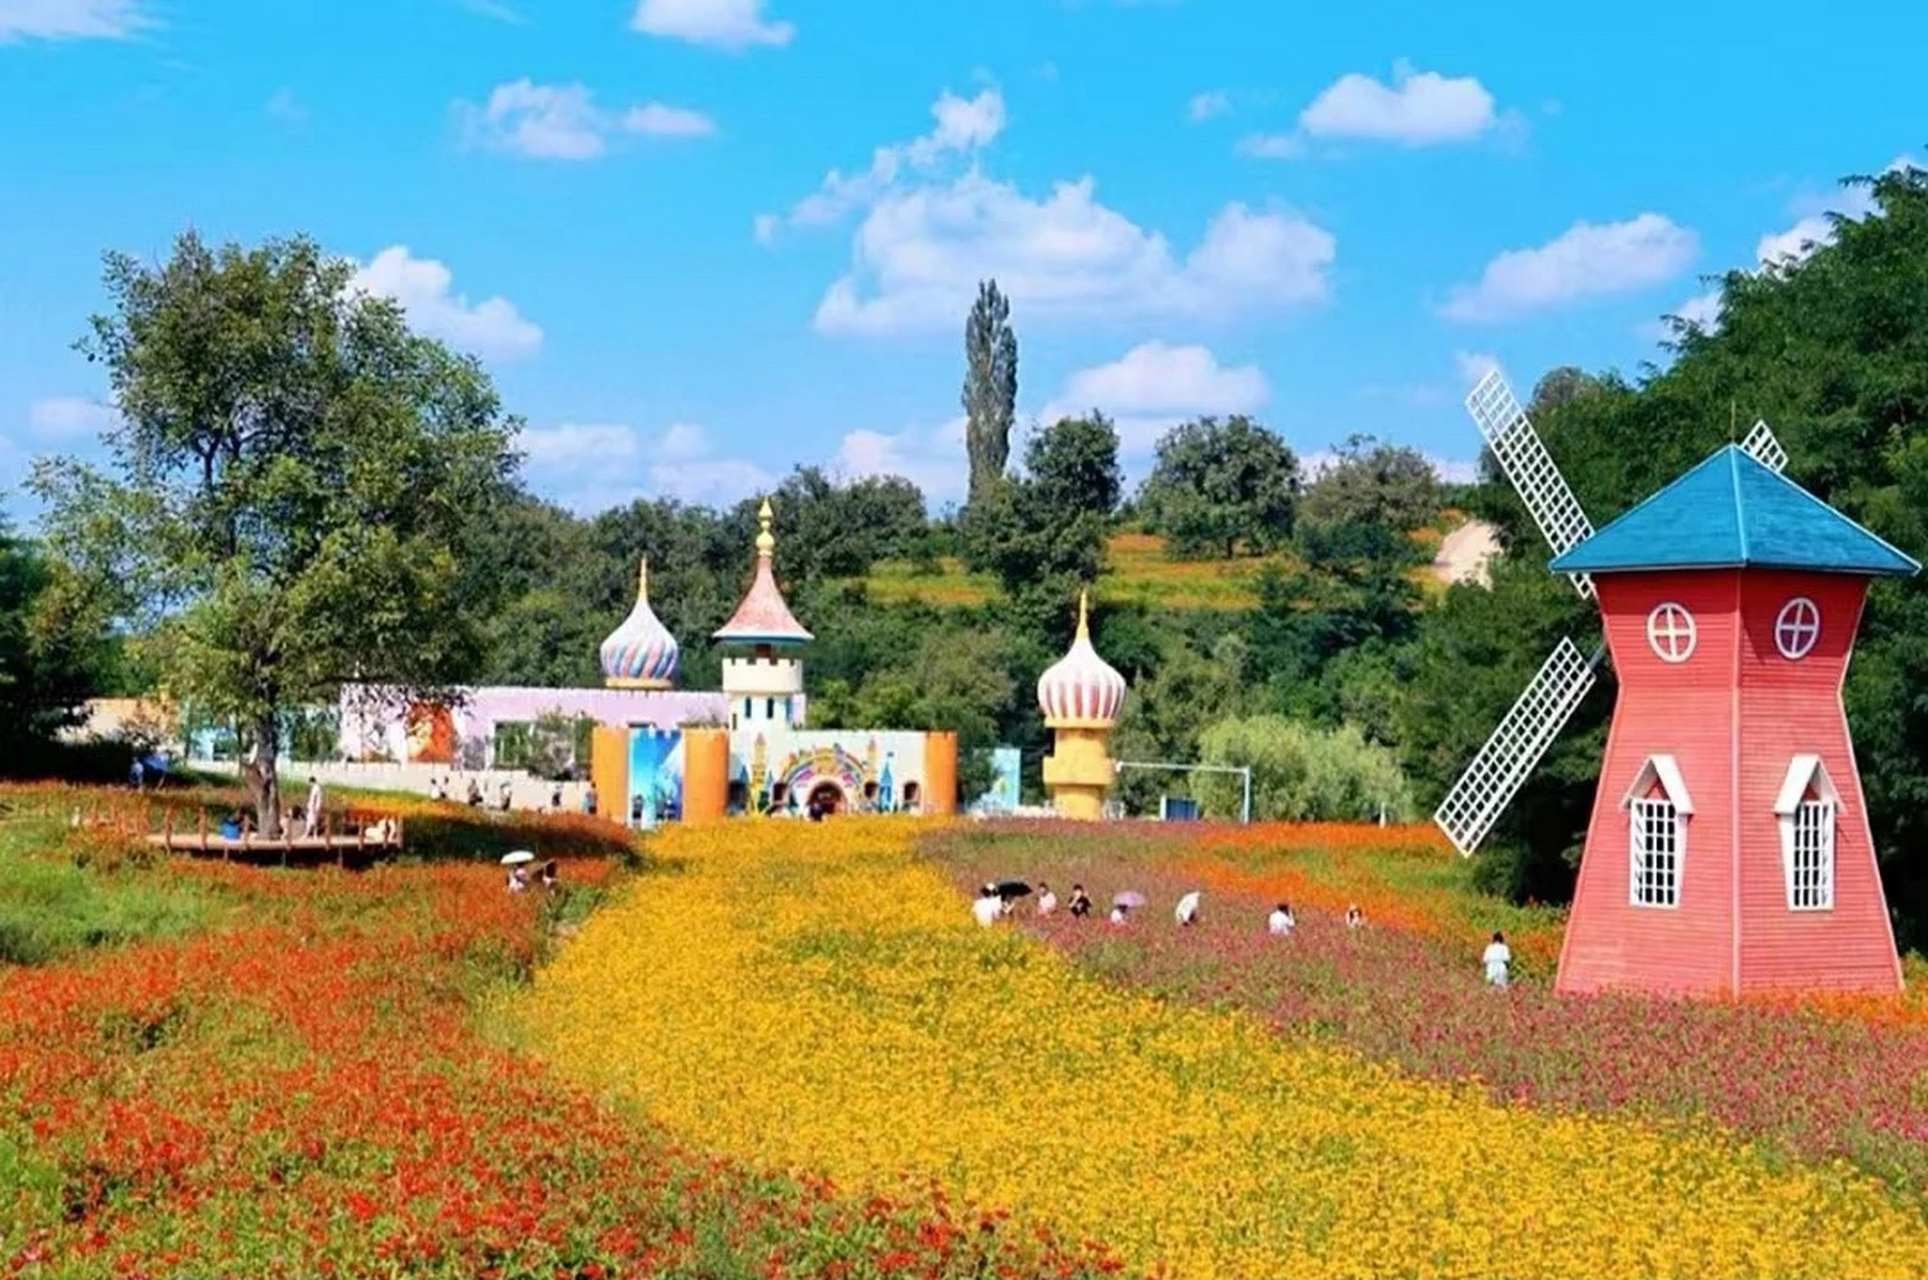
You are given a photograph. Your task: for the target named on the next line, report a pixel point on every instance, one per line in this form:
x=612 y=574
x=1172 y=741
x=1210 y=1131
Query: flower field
x=1406 y=990
x=289 y=1081
x=817 y=997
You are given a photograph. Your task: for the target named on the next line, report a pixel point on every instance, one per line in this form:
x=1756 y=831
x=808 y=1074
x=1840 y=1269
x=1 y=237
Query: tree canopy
x=294 y=479
x=1219 y=487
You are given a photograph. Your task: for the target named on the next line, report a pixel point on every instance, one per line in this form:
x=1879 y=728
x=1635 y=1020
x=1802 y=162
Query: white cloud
x=592 y=466
x=1419 y=108
x=727 y=24
x=69 y=417
x=1703 y=310
x=1203 y=106
x=494 y=10
x=933 y=459
x=660 y=120
x=1586 y=259
x=1474 y=365
x=930 y=231
x=920 y=253
x=70 y=19
x=1796 y=242
x=1454 y=470
x=963 y=126
x=563 y=122
x=1156 y=385
x=491 y=327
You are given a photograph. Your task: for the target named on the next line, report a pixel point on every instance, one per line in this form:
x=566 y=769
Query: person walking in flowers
x=1496 y=957
x=1355 y=918
x=1280 y=923
x=1047 y=900
x=988 y=906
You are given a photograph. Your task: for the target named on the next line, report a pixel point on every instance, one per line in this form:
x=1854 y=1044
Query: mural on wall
x=804 y=771
x=655 y=782
x=1005 y=794
x=430 y=731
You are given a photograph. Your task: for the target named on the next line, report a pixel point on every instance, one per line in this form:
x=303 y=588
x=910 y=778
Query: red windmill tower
x=1729 y=847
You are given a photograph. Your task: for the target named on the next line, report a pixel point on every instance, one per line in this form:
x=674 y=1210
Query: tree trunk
x=264 y=785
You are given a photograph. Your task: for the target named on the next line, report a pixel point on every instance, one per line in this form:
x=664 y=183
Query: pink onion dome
x=1081 y=690
x=641 y=653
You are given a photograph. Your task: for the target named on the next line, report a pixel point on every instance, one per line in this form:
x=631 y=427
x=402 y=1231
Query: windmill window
x=1657 y=806
x=1797 y=628
x=1807 y=812
x=1670 y=631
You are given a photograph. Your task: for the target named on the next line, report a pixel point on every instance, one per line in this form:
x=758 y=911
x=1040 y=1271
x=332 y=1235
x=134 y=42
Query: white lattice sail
x=1530 y=468
x=1766 y=449
x=1524 y=733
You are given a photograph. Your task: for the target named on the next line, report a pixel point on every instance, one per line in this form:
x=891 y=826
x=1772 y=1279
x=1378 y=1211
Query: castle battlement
x=762 y=677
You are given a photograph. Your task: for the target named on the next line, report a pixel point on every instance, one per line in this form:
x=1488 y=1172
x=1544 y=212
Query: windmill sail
x=1766 y=449
x=1530 y=468
x=1524 y=733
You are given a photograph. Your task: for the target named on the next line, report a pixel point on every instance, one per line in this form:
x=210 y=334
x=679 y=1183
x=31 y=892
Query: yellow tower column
x=940 y=772
x=706 y=774
x=1080 y=696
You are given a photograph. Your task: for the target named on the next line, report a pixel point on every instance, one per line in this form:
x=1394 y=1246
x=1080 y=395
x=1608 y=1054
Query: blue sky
x=697 y=242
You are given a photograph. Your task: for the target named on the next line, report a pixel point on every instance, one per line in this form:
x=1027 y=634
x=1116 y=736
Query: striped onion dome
x=1081 y=690
x=641 y=653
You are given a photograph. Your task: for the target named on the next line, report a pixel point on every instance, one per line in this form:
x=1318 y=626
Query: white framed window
x=1657 y=806
x=1808 y=811
x=1797 y=628
x=1670 y=632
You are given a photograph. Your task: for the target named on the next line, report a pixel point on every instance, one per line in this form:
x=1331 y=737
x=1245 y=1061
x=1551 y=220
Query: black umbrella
x=1012 y=888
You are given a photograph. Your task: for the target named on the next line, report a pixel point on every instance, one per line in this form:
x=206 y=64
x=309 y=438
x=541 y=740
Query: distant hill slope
x=1137 y=571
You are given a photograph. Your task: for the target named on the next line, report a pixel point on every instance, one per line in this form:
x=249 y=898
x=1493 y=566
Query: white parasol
x=517 y=858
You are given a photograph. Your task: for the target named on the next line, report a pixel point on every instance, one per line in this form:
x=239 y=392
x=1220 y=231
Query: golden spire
x=1084 y=626
x=642 y=581
x=766 y=541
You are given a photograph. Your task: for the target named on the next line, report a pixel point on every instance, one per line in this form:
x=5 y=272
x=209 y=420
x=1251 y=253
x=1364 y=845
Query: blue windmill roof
x=1730 y=511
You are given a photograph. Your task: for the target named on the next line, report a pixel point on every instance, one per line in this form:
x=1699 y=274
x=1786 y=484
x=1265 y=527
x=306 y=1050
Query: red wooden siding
x=1732 y=715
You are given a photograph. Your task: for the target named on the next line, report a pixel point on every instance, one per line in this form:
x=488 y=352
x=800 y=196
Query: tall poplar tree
x=990 y=385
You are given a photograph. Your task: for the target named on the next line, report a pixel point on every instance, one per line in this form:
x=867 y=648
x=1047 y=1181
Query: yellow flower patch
x=814 y=997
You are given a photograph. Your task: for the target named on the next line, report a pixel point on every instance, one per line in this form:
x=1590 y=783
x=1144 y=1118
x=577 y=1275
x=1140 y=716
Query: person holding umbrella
x=518 y=865
x=988 y=906
x=1008 y=893
x=1122 y=904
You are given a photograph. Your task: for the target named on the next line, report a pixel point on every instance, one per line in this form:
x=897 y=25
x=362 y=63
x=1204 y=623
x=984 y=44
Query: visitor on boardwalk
x=136 y=773
x=437 y=789
x=1496 y=957
x=1047 y=900
x=1186 y=913
x=505 y=795
x=555 y=797
x=988 y=906
x=475 y=794
x=1280 y=922
x=313 y=816
x=589 y=798
x=1080 y=902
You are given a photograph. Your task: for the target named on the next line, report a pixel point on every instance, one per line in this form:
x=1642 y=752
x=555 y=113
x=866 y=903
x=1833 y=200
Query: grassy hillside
x=1137 y=571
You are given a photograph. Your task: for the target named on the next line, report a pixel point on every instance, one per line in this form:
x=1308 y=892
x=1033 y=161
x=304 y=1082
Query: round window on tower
x=1797 y=629
x=1670 y=630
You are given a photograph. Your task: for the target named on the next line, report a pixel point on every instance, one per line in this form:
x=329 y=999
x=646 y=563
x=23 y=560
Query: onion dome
x=1081 y=690
x=763 y=617
x=641 y=653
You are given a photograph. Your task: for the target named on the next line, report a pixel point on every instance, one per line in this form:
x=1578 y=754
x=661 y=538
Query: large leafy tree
x=990 y=394
x=53 y=649
x=1218 y=487
x=1044 y=531
x=294 y=479
x=1371 y=482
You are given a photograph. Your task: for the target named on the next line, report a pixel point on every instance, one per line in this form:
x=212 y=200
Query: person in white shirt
x=313 y=816
x=1118 y=912
x=1496 y=957
x=988 y=907
x=1187 y=910
x=1355 y=918
x=1047 y=900
x=1280 y=922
